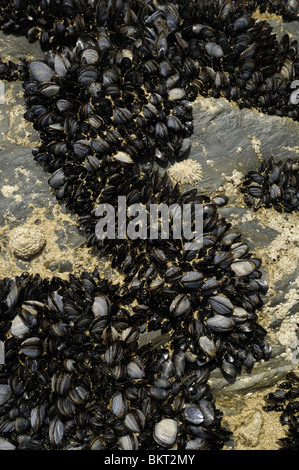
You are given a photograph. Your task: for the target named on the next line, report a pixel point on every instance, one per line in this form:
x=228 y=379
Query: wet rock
x=62 y=266
x=252 y=231
x=250 y=433
x=227 y=138
x=262 y=376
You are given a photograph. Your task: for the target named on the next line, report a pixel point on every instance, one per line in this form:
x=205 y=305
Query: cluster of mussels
x=212 y=47
x=284 y=400
x=274 y=184
x=112 y=96
x=76 y=376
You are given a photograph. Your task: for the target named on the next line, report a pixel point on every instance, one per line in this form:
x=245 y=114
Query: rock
x=250 y=433
x=264 y=374
x=227 y=138
x=62 y=266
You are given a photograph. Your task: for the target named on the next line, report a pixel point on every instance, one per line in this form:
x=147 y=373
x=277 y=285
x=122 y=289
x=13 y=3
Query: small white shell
x=243 y=267
x=135 y=368
x=119 y=405
x=123 y=157
x=5 y=393
x=5 y=445
x=41 y=71
x=176 y=94
x=165 y=432
x=18 y=327
x=129 y=442
x=101 y=306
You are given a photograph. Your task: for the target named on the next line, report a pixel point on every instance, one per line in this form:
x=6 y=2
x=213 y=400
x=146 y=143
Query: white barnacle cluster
x=26 y=241
x=186 y=172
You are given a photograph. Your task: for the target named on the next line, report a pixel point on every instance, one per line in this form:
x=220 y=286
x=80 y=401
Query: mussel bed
x=111 y=99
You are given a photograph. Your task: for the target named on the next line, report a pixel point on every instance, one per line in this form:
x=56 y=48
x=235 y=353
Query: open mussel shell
x=78 y=395
x=49 y=89
x=135 y=421
x=56 y=431
x=90 y=56
x=37 y=417
x=135 y=368
x=114 y=353
x=65 y=407
x=60 y=383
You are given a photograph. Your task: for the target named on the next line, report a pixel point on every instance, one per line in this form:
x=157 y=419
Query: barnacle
x=186 y=172
x=26 y=241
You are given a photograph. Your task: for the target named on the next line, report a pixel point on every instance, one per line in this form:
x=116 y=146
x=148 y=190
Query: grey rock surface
x=226 y=139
